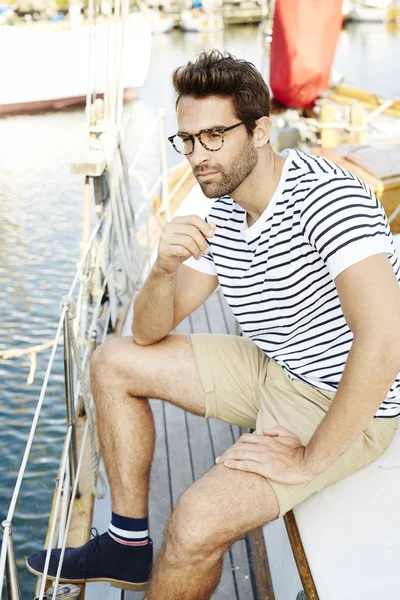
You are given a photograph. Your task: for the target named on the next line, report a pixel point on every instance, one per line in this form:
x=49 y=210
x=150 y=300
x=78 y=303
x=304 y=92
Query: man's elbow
x=141 y=340
x=137 y=338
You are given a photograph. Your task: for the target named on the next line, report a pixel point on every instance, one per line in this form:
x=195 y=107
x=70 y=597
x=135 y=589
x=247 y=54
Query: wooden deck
x=186 y=447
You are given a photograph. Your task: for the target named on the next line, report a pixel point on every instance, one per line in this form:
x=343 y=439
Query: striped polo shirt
x=278 y=275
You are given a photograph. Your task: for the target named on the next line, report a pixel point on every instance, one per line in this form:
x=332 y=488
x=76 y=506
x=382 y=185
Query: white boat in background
x=160 y=22
x=197 y=19
x=48 y=69
x=159 y=17
x=374 y=11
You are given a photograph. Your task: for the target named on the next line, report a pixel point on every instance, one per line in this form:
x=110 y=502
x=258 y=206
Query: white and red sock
x=129 y=532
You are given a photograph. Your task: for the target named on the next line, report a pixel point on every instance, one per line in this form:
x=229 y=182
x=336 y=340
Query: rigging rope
x=94 y=456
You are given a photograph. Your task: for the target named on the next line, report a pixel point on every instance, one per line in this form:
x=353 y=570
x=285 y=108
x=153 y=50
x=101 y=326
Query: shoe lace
x=93 y=546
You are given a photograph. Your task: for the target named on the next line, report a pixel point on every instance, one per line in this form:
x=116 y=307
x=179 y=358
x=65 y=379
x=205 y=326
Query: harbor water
x=40 y=226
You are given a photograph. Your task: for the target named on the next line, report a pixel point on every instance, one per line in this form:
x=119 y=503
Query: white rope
x=334 y=125
x=55 y=513
x=123 y=234
x=70 y=512
x=94 y=457
x=28 y=447
x=384 y=106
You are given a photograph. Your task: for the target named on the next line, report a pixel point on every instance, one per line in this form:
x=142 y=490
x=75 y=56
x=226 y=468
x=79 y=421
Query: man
x=304 y=256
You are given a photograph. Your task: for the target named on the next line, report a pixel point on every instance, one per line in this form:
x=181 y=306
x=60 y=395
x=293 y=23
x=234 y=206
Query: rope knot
x=68 y=301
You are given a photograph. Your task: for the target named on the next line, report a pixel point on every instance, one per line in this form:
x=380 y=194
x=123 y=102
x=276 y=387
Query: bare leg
x=123 y=375
x=217 y=509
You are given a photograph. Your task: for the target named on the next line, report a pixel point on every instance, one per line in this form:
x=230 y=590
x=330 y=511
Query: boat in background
x=374 y=11
x=203 y=16
x=160 y=21
x=200 y=21
x=158 y=16
x=47 y=68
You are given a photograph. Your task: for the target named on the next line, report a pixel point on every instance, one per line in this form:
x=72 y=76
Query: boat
x=161 y=22
x=159 y=19
x=373 y=11
x=200 y=21
x=36 y=80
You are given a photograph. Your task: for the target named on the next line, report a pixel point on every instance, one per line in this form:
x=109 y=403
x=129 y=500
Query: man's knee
x=191 y=531
x=116 y=358
x=218 y=509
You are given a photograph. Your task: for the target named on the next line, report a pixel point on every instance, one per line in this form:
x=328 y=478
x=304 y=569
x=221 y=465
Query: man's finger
x=244 y=465
x=241 y=453
x=207 y=229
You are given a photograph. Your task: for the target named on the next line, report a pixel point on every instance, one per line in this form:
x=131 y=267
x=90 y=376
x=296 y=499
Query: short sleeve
x=205 y=264
x=344 y=222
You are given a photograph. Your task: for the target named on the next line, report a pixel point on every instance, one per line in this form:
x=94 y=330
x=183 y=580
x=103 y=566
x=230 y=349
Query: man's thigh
x=232 y=371
x=300 y=408
x=223 y=505
x=166 y=370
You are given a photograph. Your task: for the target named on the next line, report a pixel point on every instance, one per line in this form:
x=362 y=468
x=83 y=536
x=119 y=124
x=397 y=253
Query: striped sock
x=129 y=532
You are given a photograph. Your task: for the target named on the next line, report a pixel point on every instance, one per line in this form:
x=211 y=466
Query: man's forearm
x=371 y=368
x=154 y=307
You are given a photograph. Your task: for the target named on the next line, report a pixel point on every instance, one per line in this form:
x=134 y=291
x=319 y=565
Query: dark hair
x=217 y=74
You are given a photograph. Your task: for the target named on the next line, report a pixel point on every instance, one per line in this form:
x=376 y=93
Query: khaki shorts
x=244 y=387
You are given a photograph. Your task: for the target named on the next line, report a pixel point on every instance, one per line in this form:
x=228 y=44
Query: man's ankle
x=128 y=531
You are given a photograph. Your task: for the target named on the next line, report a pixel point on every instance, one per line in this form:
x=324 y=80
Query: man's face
x=218 y=173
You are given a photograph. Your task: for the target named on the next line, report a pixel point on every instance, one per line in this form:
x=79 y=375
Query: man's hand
x=277 y=455
x=181 y=238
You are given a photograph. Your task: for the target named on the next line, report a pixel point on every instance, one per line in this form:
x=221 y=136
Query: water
x=40 y=226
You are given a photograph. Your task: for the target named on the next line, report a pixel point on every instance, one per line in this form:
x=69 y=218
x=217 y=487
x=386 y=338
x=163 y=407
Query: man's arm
x=172 y=291
x=370 y=299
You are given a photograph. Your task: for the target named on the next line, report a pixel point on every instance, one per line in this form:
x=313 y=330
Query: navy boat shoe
x=100 y=559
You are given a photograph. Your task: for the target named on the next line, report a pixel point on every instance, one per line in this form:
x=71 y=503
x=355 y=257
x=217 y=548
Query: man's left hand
x=278 y=455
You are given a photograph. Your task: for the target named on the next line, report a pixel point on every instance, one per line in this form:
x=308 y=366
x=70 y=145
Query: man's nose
x=199 y=154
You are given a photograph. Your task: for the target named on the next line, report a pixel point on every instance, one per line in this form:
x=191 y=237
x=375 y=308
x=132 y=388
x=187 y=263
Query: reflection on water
x=40 y=221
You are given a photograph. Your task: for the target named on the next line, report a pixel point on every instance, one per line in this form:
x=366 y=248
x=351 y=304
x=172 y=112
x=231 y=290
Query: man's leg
x=123 y=375
x=211 y=514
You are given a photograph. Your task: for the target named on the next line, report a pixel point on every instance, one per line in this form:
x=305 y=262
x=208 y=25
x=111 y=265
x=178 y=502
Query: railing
x=72 y=362
x=87 y=312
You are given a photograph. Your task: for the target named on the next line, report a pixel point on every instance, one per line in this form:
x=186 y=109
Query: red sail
x=305 y=35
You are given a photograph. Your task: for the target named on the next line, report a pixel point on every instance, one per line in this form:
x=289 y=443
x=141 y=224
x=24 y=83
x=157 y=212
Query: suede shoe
x=100 y=559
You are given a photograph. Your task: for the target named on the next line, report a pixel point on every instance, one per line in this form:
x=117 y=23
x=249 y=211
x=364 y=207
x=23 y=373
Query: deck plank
x=186 y=447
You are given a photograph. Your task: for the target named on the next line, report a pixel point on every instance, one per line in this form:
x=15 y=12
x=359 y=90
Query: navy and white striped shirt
x=278 y=275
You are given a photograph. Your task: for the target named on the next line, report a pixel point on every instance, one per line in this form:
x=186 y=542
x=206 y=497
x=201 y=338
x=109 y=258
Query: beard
x=229 y=178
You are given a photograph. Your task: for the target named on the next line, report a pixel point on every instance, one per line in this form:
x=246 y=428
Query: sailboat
x=378 y=11
x=55 y=63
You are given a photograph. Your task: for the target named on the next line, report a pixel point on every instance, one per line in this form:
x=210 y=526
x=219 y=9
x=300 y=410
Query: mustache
x=199 y=171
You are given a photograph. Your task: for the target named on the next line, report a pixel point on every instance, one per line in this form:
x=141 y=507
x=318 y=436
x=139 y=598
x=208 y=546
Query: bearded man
x=304 y=256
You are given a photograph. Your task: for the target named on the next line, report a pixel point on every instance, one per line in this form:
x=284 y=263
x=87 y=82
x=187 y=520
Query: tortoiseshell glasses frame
x=210 y=139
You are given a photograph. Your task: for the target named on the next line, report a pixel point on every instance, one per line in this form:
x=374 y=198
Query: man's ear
x=262 y=132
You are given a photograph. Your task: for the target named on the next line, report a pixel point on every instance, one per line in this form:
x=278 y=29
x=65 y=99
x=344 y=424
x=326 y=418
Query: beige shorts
x=244 y=387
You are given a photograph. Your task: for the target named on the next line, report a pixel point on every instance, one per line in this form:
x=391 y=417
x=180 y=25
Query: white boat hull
x=367 y=14
x=201 y=22
x=50 y=69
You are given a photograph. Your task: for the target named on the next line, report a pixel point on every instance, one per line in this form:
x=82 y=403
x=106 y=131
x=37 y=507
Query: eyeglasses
x=210 y=139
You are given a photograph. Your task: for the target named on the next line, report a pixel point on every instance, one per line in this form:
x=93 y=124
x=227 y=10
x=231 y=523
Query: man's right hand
x=181 y=238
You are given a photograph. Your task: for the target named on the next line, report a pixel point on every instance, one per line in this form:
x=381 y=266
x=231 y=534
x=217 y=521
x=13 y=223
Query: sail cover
x=305 y=35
